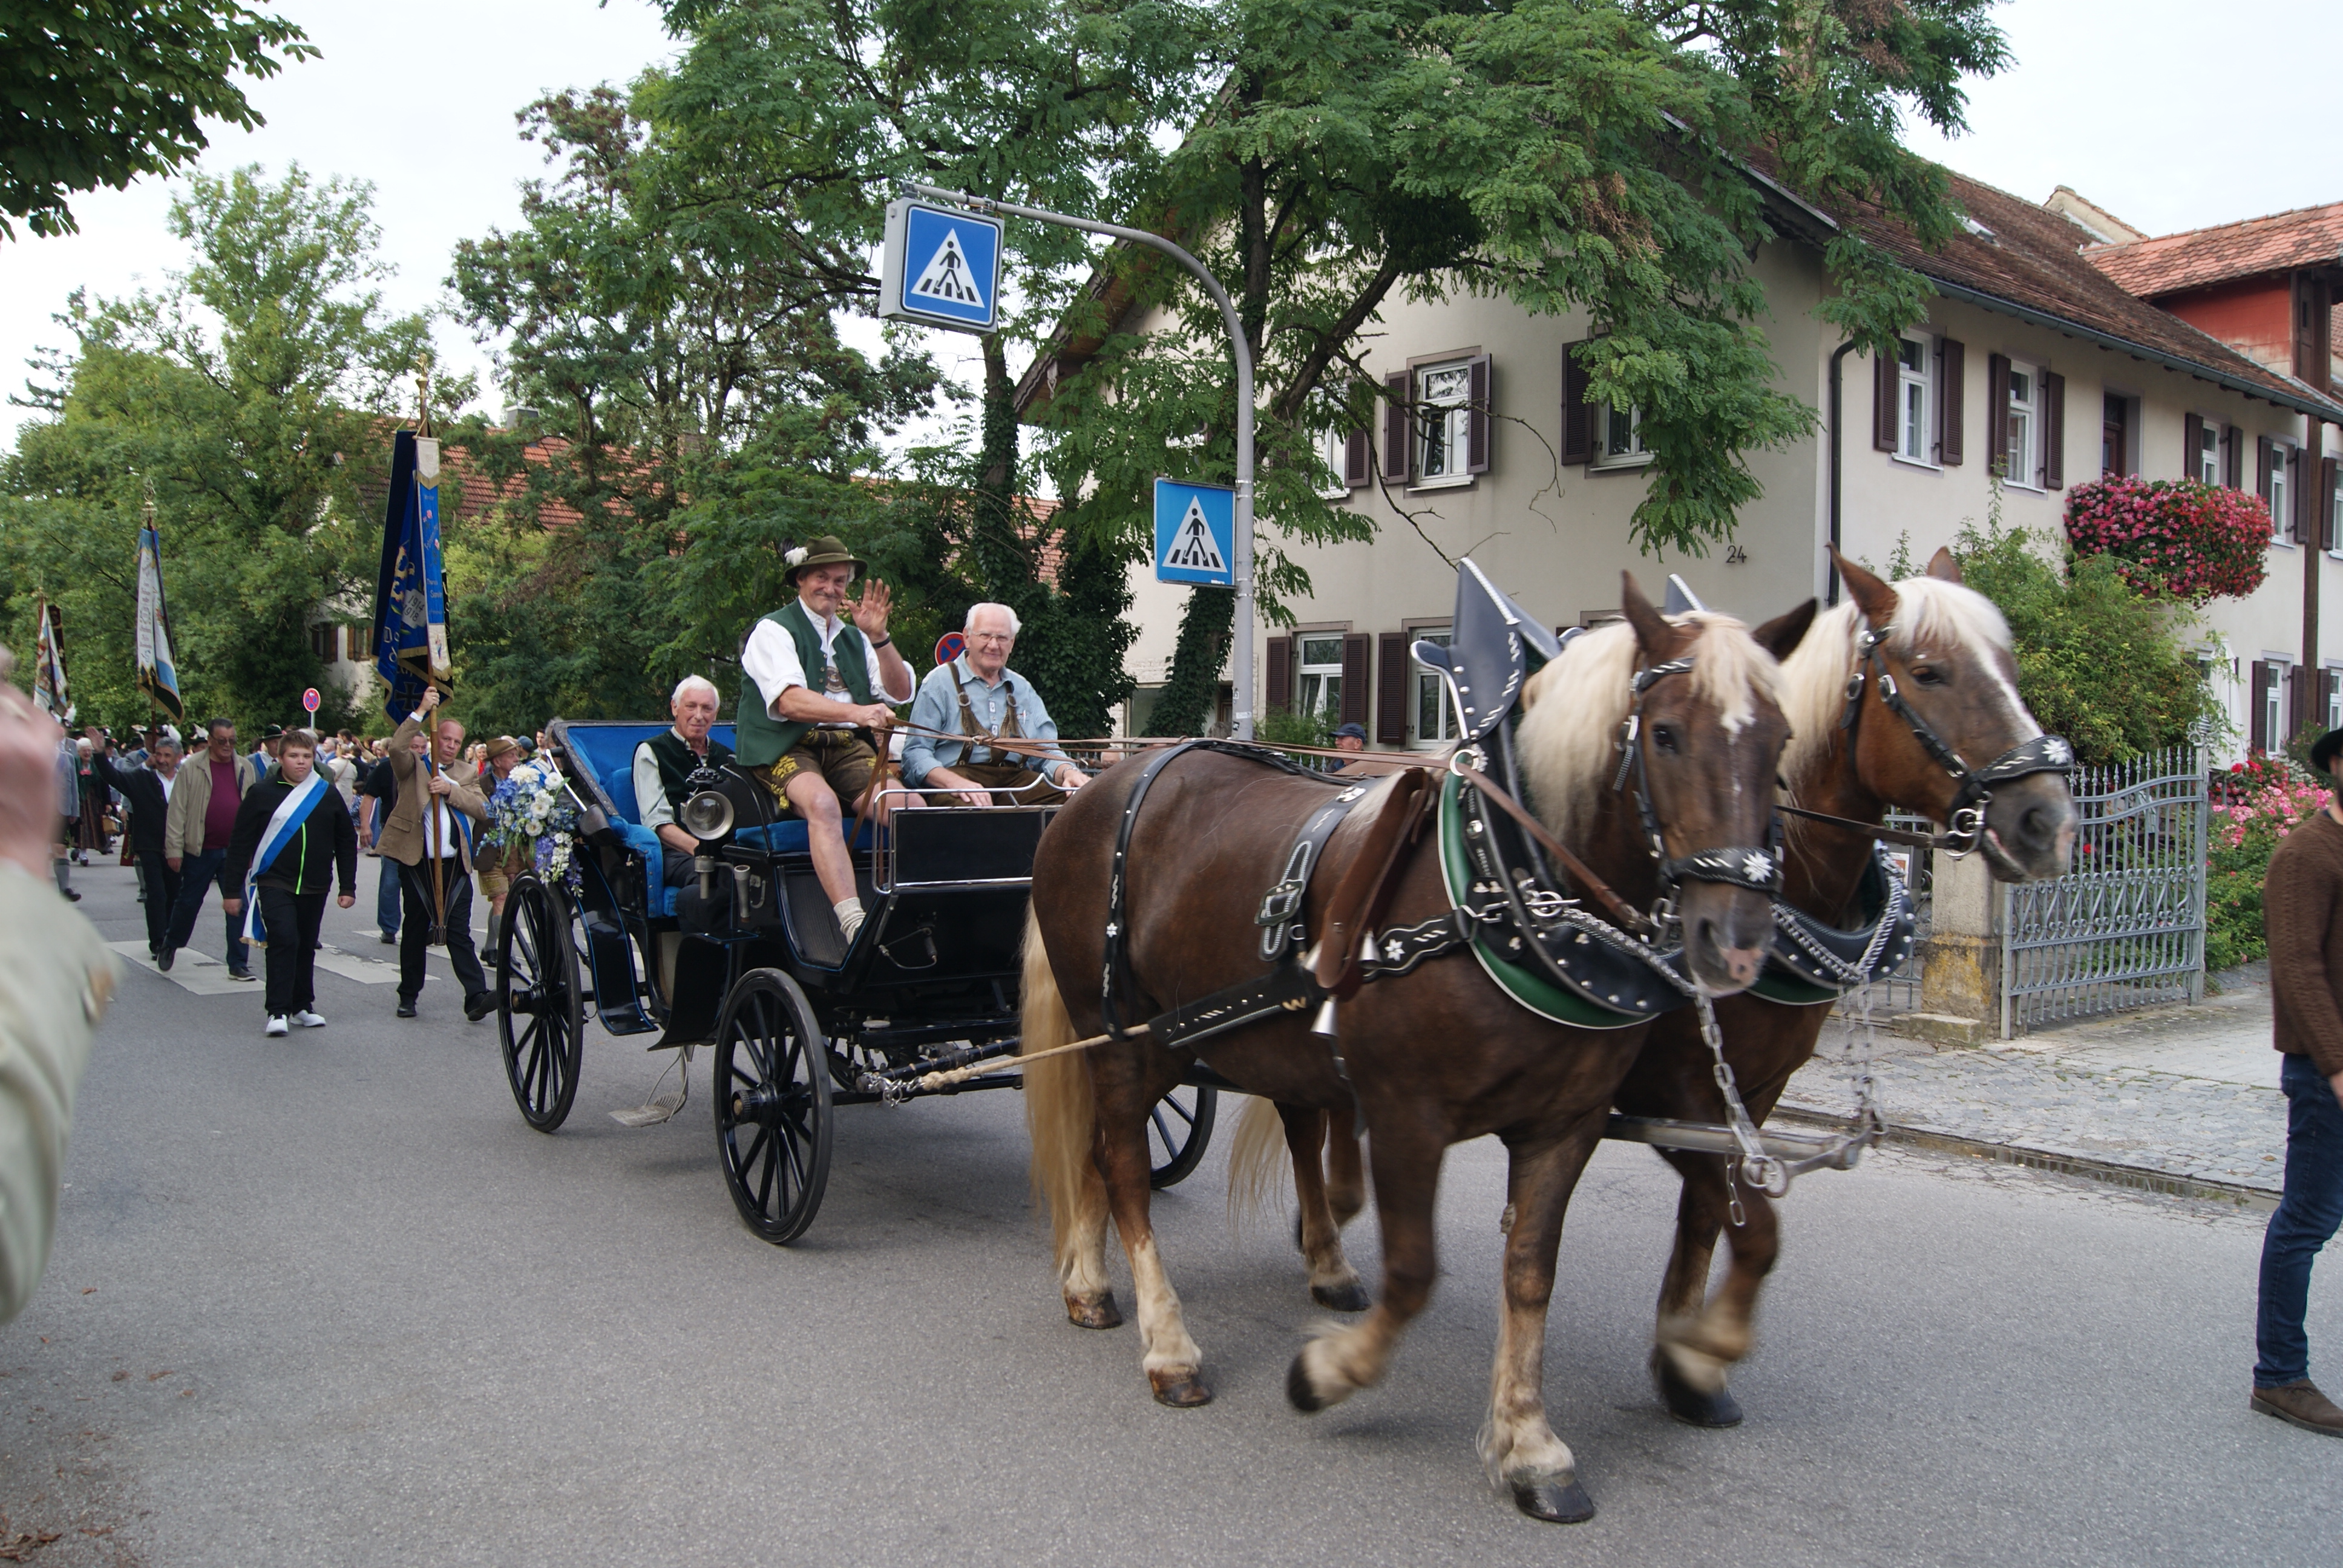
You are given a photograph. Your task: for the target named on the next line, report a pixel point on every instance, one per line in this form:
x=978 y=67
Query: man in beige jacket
x=197 y=829
x=55 y=977
x=434 y=850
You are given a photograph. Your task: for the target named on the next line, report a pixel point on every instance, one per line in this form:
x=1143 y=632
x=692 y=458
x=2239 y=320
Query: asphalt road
x=327 y=1299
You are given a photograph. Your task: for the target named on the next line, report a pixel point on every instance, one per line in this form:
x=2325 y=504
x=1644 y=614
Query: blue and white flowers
x=531 y=809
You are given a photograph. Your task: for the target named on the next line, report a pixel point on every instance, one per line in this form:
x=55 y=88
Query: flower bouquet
x=531 y=813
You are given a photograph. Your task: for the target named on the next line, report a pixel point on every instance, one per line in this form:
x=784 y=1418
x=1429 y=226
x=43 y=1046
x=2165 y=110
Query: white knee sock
x=849 y=915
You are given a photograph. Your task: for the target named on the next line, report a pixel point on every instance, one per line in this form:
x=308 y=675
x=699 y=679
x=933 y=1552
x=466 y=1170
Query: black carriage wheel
x=540 y=1010
x=1179 y=1130
x=772 y=1105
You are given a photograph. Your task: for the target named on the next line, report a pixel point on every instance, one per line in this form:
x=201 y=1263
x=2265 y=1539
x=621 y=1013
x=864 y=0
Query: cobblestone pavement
x=2180 y=1092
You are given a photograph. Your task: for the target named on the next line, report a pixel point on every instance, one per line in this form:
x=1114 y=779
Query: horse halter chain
x=1965 y=820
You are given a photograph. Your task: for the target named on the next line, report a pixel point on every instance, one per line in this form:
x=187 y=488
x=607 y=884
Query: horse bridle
x=1758 y=869
x=1972 y=791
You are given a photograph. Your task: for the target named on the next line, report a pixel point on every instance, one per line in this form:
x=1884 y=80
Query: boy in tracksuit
x=291 y=889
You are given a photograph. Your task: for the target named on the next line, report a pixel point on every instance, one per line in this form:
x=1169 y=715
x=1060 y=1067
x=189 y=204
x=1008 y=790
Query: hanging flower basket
x=2176 y=538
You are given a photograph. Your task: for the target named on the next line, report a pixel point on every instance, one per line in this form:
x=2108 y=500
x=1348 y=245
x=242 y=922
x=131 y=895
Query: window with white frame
x=1444 y=434
x=1619 y=438
x=2205 y=459
x=1321 y=675
x=2334 y=698
x=1913 y=356
x=2281 y=489
x=2021 y=419
x=2334 y=521
x=1432 y=720
x=2274 y=736
x=1334 y=449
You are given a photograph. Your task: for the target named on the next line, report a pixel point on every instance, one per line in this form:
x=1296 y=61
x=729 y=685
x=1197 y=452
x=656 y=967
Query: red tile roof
x=2030 y=257
x=2307 y=236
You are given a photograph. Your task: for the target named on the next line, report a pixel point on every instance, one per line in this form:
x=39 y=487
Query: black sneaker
x=71 y=897
x=390 y=938
x=405 y=1008
x=164 y=963
x=243 y=974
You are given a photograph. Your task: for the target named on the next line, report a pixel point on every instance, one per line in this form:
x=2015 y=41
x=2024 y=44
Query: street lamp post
x=1241 y=676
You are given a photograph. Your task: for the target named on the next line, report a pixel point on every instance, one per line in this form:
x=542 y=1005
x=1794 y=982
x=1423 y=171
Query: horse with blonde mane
x=1933 y=659
x=1429 y=1057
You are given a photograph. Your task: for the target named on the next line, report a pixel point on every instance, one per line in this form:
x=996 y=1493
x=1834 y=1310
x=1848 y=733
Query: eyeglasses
x=987 y=639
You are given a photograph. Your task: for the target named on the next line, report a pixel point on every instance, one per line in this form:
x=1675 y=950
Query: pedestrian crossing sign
x=1195 y=533
x=941 y=267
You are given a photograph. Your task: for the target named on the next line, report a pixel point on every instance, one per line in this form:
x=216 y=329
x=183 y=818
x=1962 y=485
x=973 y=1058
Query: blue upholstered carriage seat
x=609 y=749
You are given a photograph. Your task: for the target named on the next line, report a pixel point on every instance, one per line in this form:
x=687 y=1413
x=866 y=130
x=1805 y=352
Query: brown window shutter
x=1885 y=392
x=1952 y=384
x=2233 y=457
x=2255 y=735
x=1577 y=419
x=1392 y=671
x=2327 y=481
x=1357 y=649
x=2054 y=431
x=2192 y=444
x=1357 y=460
x=1279 y=696
x=1479 y=419
x=2263 y=447
x=1399 y=429
x=1996 y=413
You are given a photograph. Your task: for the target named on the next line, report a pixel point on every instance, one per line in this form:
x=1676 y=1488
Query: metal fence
x=2127 y=928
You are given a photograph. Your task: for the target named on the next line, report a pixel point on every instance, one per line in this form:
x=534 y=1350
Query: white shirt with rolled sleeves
x=771 y=660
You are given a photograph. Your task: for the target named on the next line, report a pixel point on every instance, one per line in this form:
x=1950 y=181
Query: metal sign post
x=1241 y=676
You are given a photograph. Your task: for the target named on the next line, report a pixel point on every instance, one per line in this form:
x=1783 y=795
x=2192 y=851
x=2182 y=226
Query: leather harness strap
x=1495 y=793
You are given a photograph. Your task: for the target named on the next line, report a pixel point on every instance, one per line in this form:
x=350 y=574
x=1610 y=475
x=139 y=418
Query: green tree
x=255 y=391
x=98 y=94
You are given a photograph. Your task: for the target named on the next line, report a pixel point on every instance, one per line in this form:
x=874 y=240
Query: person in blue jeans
x=383 y=789
x=2302 y=912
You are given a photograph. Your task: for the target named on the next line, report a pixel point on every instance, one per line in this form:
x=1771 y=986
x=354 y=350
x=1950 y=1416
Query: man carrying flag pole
x=410 y=605
x=284 y=852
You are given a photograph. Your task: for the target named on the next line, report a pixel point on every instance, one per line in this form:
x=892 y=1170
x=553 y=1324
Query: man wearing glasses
x=978 y=696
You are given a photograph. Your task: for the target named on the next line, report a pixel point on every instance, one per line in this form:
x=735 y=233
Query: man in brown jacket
x=2302 y=910
x=417 y=839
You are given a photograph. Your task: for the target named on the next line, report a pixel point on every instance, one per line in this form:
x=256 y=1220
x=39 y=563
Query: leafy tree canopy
x=100 y=93
x=253 y=392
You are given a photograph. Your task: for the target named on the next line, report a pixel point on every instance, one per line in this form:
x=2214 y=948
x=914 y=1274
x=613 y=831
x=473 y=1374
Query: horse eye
x=1926 y=675
x=1664 y=736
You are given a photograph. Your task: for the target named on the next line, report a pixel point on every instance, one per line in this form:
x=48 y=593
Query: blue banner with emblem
x=410 y=600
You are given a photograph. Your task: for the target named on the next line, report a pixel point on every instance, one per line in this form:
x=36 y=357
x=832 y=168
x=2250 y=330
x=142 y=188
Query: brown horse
x=1946 y=650
x=1433 y=1056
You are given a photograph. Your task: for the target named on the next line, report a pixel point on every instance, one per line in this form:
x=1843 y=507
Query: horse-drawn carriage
x=750 y=962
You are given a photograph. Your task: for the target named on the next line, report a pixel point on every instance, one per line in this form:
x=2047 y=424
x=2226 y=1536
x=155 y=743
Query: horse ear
x=1781 y=635
x=1873 y=596
x=1653 y=632
x=1943 y=567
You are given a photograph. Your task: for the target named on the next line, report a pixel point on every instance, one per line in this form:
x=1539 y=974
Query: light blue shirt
x=936 y=707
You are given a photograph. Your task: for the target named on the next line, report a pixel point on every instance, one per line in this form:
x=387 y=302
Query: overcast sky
x=2171 y=116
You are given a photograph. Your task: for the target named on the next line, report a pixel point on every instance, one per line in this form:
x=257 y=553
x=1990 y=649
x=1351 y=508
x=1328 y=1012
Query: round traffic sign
x=950 y=646
x=311 y=701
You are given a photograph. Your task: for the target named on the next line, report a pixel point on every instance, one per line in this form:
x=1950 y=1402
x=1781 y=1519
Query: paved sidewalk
x=2183 y=1093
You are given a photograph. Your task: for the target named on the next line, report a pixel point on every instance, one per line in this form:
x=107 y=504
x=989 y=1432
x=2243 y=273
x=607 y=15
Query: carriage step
x=661 y=1108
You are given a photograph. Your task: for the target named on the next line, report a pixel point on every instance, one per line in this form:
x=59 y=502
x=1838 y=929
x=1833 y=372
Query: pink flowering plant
x=2176 y=538
x=2255 y=804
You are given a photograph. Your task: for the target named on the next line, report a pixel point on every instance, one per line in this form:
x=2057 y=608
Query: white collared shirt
x=771 y=660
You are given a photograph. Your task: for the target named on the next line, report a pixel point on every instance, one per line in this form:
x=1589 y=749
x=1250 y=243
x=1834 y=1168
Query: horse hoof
x=1299 y=1391
x=1101 y=1313
x=1180 y=1389
x=1693 y=1406
x=1351 y=1296
x=1556 y=1501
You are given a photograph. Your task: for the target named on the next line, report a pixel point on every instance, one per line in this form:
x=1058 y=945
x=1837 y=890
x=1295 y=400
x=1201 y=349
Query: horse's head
x=1944 y=652
x=1680 y=714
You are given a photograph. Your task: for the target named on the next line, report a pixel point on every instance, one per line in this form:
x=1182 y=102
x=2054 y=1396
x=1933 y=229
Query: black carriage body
x=799 y=1021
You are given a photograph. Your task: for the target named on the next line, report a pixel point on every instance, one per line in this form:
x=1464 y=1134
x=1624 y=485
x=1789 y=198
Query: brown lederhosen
x=998 y=774
x=843 y=758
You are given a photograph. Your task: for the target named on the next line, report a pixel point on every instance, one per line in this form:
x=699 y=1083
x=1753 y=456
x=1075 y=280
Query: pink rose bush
x=2176 y=538
x=2257 y=803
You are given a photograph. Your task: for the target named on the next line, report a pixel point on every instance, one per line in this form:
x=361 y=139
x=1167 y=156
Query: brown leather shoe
x=2301 y=1404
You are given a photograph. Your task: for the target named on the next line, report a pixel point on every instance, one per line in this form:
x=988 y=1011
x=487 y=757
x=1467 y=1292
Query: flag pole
x=434 y=833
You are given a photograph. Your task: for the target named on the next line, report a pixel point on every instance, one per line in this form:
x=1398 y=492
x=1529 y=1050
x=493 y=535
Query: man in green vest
x=810 y=693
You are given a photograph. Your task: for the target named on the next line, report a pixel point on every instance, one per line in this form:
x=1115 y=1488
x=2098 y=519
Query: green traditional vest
x=677 y=762
x=765 y=740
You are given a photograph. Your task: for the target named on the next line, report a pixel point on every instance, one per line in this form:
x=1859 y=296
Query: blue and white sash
x=290 y=814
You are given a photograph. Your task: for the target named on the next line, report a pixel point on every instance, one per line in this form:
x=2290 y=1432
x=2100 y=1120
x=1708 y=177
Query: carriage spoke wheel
x=772 y=1105
x=1179 y=1130
x=540 y=1010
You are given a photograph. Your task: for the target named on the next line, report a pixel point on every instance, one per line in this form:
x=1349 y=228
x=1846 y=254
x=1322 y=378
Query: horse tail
x=1059 y=1110
x=1258 y=1162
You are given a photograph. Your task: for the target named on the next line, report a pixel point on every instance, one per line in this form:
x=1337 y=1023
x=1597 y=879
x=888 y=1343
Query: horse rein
x=1973 y=792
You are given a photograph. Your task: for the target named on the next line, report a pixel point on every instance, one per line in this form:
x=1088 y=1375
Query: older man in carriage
x=664 y=766
x=977 y=695
x=810 y=705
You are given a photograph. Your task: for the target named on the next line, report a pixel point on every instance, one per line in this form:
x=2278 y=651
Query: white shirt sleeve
x=771 y=660
x=651 y=804
x=879 y=675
